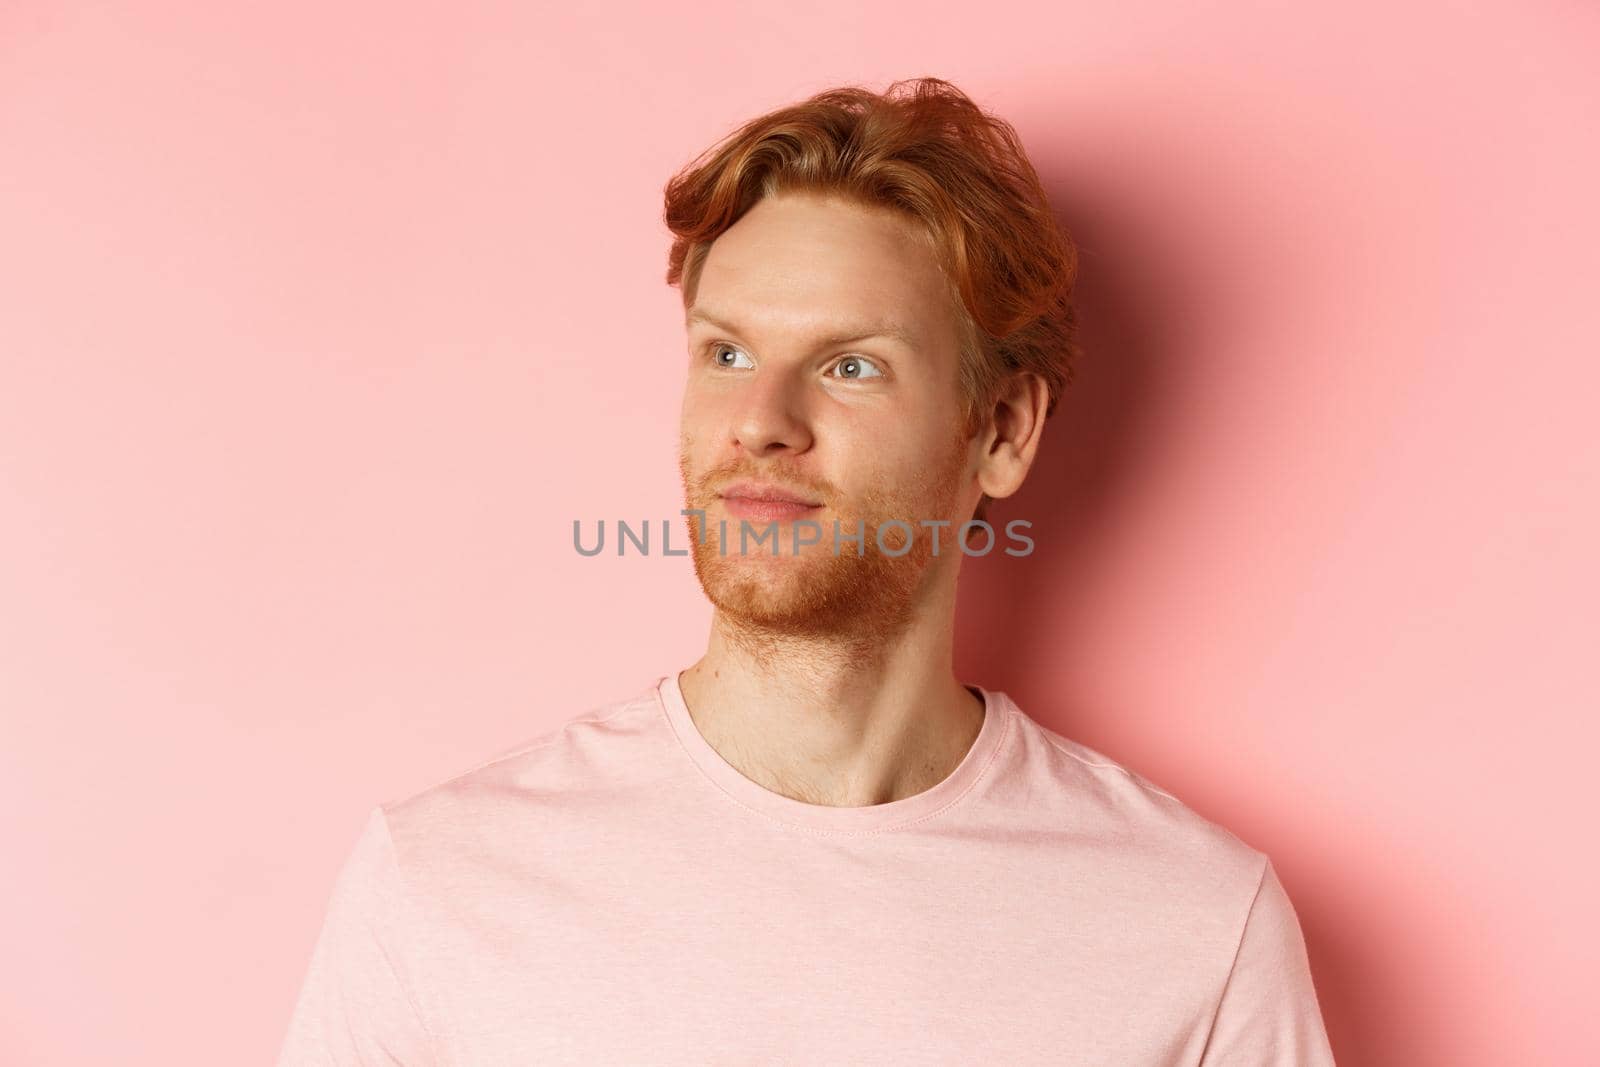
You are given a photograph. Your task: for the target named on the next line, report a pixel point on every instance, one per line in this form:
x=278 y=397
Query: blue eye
x=857 y=367
x=718 y=352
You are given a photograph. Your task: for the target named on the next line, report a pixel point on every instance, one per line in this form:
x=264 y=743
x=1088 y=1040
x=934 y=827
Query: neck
x=846 y=719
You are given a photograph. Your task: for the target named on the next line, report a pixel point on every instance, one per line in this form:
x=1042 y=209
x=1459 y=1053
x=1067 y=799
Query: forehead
x=802 y=259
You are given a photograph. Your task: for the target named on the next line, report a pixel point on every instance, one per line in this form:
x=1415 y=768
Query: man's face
x=792 y=384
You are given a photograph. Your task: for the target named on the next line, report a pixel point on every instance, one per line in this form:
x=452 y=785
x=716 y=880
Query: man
x=815 y=845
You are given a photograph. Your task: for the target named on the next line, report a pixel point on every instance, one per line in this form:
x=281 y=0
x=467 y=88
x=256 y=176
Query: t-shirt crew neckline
x=868 y=818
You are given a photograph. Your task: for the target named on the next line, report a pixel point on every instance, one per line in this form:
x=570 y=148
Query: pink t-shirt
x=616 y=892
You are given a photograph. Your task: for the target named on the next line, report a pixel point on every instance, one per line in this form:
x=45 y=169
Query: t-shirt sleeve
x=357 y=1004
x=1268 y=1014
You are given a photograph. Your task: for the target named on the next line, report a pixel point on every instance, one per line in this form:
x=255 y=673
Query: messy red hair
x=923 y=148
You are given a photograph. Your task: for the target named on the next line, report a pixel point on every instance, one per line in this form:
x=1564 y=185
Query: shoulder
x=1101 y=805
x=587 y=756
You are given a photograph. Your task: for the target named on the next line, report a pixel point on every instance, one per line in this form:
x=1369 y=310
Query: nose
x=769 y=417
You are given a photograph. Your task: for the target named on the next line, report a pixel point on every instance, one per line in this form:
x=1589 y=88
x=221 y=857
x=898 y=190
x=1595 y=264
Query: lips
x=766 y=502
x=767 y=493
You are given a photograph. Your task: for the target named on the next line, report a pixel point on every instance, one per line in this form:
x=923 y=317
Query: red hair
x=923 y=148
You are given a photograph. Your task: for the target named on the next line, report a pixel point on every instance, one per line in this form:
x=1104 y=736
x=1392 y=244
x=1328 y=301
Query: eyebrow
x=891 y=330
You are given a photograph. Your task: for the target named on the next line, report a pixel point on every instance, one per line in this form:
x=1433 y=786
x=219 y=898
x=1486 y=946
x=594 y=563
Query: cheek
x=689 y=409
x=872 y=473
x=695 y=415
x=689 y=441
x=924 y=471
x=703 y=412
x=701 y=439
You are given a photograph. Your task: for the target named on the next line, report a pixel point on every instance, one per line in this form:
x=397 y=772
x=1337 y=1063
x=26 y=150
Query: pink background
x=318 y=330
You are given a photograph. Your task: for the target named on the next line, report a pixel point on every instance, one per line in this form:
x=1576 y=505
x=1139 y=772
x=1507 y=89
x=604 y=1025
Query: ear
x=1011 y=434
